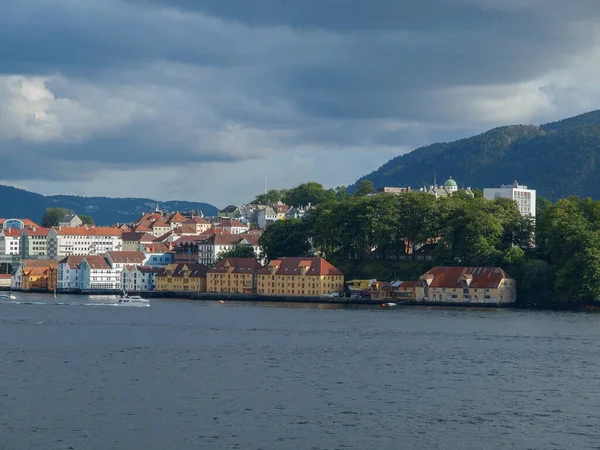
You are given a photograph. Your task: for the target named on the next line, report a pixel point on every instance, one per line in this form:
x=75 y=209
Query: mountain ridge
x=20 y=203
x=557 y=159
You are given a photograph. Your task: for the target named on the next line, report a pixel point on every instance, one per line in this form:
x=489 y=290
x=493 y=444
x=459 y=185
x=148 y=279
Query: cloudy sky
x=203 y=100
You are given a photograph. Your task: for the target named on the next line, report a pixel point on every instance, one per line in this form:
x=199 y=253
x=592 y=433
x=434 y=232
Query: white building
x=96 y=272
x=524 y=197
x=10 y=242
x=68 y=274
x=83 y=241
x=266 y=217
x=34 y=243
x=119 y=260
x=139 y=278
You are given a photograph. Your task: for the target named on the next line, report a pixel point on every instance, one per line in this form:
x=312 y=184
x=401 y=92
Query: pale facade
x=525 y=198
x=309 y=276
x=233 y=275
x=96 y=273
x=34 y=243
x=83 y=241
x=472 y=285
x=139 y=278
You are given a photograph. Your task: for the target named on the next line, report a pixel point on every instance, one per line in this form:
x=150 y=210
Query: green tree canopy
x=52 y=216
x=87 y=220
x=365 y=187
x=285 y=238
x=239 y=251
x=308 y=193
x=272 y=196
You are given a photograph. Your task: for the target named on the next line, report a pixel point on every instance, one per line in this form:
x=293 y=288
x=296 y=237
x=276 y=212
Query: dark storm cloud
x=168 y=83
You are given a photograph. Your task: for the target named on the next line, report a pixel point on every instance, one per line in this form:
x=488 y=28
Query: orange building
x=38 y=274
x=182 y=277
x=233 y=275
x=299 y=276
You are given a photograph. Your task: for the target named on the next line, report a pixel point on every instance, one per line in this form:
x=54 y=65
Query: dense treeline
x=557 y=259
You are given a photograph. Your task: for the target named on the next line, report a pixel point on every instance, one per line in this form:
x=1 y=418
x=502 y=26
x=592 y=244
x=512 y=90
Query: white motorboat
x=7 y=296
x=388 y=305
x=133 y=300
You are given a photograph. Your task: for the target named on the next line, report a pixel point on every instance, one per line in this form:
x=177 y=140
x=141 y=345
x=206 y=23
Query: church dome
x=450 y=183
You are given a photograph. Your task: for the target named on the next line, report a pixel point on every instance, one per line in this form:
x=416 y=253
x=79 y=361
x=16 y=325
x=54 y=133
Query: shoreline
x=211 y=296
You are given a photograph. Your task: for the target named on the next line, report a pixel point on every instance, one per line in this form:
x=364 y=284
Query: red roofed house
x=233 y=226
x=299 y=276
x=160 y=227
x=466 y=285
x=233 y=275
x=199 y=224
x=182 y=277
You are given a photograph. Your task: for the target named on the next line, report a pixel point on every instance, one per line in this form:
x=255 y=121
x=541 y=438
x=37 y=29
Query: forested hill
x=18 y=203
x=556 y=159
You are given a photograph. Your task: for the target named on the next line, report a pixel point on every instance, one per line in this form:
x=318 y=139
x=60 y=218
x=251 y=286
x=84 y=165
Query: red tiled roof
x=160 y=222
x=38 y=231
x=127 y=257
x=97 y=262
x=12 y=232
x=176 y=218
x=196 y=270
x=142 y=228
x=292 y=265
x=39 y=263
x=105 y=231
x=197 y=220
x=148 y=269
x=157 y=247
x=73 y=231
x=137 y=236
x=240 y=265
x=73 y=261
x=451 y=277
x=4 y=276
x=229 y=222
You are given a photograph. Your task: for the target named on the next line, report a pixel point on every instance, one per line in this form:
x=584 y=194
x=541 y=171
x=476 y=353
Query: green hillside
x=105 y=211
x=556 y=159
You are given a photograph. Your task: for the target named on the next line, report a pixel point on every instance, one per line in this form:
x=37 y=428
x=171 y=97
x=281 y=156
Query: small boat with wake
x=7 y=296
x=132 y=300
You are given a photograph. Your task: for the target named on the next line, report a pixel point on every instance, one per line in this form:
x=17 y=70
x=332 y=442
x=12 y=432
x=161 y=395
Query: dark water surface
x=194 y=375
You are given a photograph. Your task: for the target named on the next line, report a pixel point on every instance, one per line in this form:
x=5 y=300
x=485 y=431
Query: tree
x=308 y=193
x=87 y=220
x=272 y=196
x=285 y=238
x=52 y=216
x=341 y=193
x=238 y=251
x=365 y=187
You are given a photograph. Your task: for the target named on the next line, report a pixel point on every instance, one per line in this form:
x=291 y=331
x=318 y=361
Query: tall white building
x=524 y=197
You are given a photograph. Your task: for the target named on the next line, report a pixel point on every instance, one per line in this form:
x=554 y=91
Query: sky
x=205 y=100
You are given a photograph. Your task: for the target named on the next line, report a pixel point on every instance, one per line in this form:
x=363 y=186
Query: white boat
x=133 y=300
x=8 y=296
x=388 y=305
